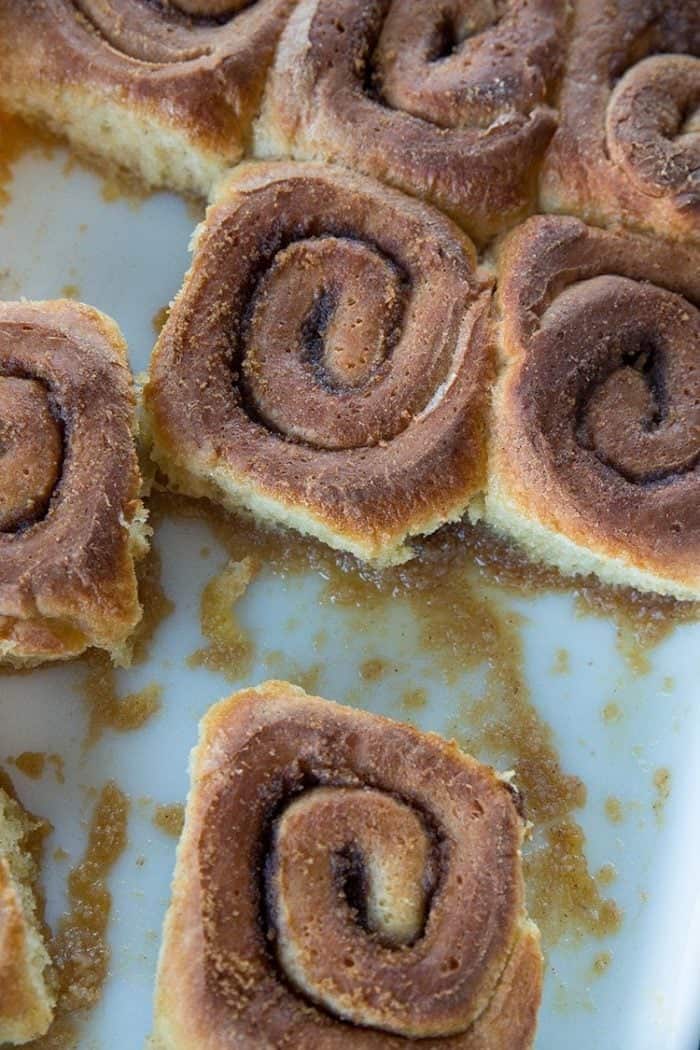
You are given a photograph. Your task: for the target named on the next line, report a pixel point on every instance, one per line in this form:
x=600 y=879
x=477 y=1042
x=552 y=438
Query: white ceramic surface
x=129 y=260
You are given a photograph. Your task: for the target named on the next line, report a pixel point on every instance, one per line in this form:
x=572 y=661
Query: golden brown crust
x=627 y=150
x=173 y=87
x=327 y=361
x=71 y=520
x=343 y=880
x=26 y=1001
x=596 y=435
x=446 y=100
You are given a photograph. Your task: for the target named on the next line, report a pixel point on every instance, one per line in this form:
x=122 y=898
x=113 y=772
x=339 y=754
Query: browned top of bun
x=71 y=482
x=446 y=100
x=344 y=878
x=330 y=352
x=599 y=411
x=195 y=66
x=628 y=146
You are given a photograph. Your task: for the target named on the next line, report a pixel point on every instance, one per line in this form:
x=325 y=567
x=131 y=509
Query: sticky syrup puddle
x=458 y=590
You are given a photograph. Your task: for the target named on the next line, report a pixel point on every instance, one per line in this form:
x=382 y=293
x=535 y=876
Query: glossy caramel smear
x=107 y=707
x=79 y=948
x=458 y=589
x=229 y=650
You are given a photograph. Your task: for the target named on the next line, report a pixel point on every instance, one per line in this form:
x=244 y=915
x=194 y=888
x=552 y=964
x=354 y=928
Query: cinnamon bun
x=627 y=150
x=71 y=518
x=327 y=361
x=27 y=999
x=343 y=880
x=164 y=88
x=446 y=100
x=595 y=458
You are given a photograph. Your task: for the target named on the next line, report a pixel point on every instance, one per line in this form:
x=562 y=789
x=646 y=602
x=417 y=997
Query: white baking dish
x=128 y=259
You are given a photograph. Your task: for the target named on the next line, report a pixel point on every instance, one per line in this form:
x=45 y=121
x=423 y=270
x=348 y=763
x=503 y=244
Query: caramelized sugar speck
x=170 y=818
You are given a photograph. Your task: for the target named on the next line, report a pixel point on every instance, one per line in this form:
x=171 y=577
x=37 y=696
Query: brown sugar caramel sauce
x=33 y=764
x=170 y=818
x=456 y=589
x=229 y=650
x=99 y=686
x=79 y=947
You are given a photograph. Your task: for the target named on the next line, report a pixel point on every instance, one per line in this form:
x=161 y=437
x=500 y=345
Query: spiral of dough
x=598 y=416
x=653 y=127
x=627 y=149
x=159 y=32
x=447 y=100
x=31 y=451
x=330 y=348
x=70 y=512
x=374 y=891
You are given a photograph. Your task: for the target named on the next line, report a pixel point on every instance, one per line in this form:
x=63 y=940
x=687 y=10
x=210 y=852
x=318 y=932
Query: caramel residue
x=612 y=712
x=613 y=810
x=170 y=818
x=17 y=138
x=154 y=601
x=79 y=949
x=230 y=650
x=109 y=710
x=642 y=620
x=374 y=669
x=456 y=589
x=662 y=783
x=568 y=902
x=606 y=875
x=118 y=184
x=282 y=666
x=601 y=963
x=562 y=662
x=414 y=699
x=159 y=318
x=309 y=678
x=31 y=763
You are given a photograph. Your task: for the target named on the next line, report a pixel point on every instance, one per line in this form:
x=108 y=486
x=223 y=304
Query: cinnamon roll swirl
x=71 y=520
x=165 y=88
x=27 y=999
x=627 y=150
x=595 y=458
x=327 y=361
x=343 y=880
x=446 y=100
